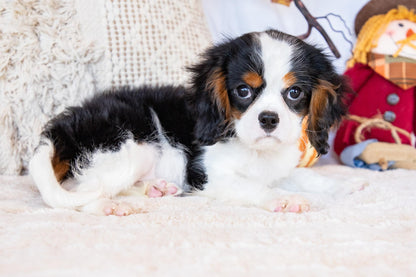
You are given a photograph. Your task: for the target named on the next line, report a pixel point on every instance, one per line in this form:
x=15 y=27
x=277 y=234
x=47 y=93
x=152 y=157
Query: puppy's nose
x=268 y=121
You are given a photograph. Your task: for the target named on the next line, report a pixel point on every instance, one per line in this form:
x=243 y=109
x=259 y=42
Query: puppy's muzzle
x=268 y=121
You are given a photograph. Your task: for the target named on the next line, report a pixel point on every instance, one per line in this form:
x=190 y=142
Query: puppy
x=233 y=135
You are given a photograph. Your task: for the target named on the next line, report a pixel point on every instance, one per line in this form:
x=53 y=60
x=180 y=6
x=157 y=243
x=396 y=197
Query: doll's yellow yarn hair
x=373 y=29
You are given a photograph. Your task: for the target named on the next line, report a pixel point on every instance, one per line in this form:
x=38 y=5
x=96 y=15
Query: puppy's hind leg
x=117 y=172
x=150 y=188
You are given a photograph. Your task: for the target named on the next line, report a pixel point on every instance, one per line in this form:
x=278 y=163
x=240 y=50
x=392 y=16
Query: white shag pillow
x=55 y=53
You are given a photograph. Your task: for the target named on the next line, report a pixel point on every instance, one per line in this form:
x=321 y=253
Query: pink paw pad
x=154 y=192
x=162 y=188
x=118 y=209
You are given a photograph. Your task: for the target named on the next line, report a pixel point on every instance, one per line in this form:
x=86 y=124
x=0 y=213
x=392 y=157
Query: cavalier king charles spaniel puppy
x=232 y=135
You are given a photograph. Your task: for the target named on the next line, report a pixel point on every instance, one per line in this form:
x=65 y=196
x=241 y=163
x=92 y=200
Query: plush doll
x=379 y=131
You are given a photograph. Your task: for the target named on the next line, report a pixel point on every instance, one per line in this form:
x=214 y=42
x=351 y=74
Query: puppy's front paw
x=289 y=203
x=350 y=186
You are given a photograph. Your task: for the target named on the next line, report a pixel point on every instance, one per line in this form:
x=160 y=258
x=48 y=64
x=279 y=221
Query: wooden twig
x=313 y=23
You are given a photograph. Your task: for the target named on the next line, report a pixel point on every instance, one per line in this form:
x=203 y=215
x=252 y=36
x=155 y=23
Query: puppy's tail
x=42 y=172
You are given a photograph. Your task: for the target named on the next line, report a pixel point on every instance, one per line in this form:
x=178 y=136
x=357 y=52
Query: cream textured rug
x=369 y=233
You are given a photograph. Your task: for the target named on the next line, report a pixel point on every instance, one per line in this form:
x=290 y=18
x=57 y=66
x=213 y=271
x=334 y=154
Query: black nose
x=268 y=121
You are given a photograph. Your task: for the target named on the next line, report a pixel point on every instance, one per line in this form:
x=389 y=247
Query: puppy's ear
x=209 y=95
x=326 y=109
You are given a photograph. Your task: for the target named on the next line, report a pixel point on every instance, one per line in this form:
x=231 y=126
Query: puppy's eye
x=294 y=93
x=243 y=91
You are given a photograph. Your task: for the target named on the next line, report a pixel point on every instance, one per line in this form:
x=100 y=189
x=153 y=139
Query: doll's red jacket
x=374 y=96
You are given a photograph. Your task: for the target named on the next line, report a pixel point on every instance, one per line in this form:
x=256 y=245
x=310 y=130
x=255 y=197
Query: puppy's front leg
x=239 y=190
x=307 y=180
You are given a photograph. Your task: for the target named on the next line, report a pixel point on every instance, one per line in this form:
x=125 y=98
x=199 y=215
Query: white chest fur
x=238 y=172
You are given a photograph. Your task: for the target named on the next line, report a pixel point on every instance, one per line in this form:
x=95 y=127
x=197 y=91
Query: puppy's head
x=260 y=86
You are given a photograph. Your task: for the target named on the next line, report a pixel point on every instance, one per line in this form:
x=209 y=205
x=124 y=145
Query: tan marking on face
x=253 y=79
x=236 y=114
x=60 y=168
x=289 y=79
x=320 y=100
x=216 y=83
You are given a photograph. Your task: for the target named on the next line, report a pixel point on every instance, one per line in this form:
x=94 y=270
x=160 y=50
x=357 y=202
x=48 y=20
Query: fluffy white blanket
x=368 y=233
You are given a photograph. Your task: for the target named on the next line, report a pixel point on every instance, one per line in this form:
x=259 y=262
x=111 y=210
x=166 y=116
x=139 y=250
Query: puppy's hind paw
x=109 y=207
x=160 y=188
x=291 y=203
x=118 y=209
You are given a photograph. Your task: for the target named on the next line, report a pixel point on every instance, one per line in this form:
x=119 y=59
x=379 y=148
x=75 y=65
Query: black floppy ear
x=326 y=109
x=209 y=95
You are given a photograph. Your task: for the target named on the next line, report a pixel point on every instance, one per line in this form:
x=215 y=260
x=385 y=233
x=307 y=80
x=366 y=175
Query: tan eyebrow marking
x=289 y=79
x=253 y=79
